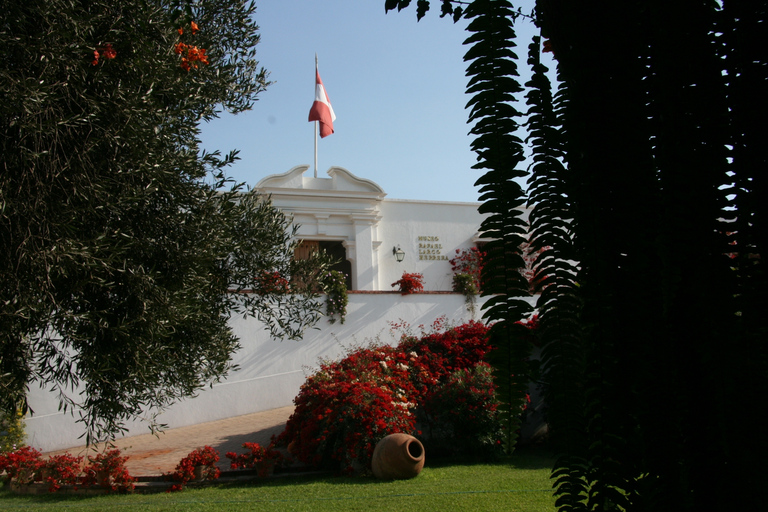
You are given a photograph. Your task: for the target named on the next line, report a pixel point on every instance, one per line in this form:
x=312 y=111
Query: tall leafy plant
x=493 y=84
x=650 y=175
x=660 y=297
x=555 y=270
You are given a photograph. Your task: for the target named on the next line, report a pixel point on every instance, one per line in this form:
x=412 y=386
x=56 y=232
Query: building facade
x=351 y=218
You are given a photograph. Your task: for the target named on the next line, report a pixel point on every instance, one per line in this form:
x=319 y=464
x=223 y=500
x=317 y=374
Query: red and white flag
x=321 y=110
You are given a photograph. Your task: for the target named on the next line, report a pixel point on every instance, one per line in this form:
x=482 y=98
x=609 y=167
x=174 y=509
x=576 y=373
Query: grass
x=519 y=484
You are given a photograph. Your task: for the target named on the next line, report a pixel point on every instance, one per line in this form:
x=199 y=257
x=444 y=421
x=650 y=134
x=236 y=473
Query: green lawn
x=519 y=484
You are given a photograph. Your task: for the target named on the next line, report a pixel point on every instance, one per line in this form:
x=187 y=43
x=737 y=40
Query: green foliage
x=492 y=71
x=465 y=283
x=649 y=144
x=126 y=248
x=12 y=434
x=551 y=234
x=335 y=287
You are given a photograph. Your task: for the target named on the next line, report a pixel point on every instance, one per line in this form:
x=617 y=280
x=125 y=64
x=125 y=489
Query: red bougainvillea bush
x=460 y=414
x=106 y=470
x=262 y=458
x=347 y=406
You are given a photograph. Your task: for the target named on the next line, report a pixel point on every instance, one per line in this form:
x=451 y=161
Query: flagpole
x=316 y=126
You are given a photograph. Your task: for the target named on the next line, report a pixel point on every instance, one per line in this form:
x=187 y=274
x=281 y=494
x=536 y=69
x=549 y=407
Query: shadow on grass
x=528 y=457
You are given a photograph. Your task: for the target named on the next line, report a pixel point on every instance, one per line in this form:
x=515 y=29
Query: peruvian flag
x=322 y=110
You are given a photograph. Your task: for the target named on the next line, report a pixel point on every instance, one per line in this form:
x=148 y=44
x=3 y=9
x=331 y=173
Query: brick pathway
x=151 y=455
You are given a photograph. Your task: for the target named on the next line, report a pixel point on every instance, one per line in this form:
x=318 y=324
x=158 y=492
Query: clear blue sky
x=396 y=85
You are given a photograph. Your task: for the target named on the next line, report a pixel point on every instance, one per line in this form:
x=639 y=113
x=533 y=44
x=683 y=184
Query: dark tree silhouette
x=648 y=187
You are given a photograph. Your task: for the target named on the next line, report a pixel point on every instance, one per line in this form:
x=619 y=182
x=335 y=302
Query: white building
x=351 y=218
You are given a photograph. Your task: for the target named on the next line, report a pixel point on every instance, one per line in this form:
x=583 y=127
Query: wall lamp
x=399 y=253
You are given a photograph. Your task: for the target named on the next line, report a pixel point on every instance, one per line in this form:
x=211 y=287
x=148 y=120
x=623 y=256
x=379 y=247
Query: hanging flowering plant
x=530 y=256
x=410 y=283
x=468 y=262
x=204 y=458
x=335 y=287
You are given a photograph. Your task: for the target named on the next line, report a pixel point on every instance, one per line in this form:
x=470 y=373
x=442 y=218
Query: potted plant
x=272 y=283
x=200 y=464
x=410 y=283
x=21 y=465
x=61 y=470
x=107 y=469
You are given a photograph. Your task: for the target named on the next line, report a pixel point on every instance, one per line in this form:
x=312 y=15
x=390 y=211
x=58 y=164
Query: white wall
x=448 y=226
x=272 y=371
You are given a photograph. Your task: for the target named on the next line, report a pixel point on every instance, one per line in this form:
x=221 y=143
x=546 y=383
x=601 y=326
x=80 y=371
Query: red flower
x=108 y=52
x=410 y=283
x=185 y=469
x=194 y=27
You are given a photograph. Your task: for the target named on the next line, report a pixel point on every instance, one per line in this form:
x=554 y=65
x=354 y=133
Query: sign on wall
x=430 y=248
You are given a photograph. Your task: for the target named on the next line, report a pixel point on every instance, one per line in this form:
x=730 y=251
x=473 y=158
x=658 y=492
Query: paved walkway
x=151 y=455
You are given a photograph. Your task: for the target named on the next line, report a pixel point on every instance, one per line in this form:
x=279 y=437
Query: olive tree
x=125 y=249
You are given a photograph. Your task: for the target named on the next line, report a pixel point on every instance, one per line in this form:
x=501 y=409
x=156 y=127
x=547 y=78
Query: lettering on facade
x=430 y=248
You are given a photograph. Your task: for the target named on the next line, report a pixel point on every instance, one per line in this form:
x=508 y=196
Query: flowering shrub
x=11 y=431
x=335 y=287
x=108 y=469
x=460 y=414
x=334 y=423
x=264 y=459
x=21 y=464
x=205 y=457
x=347 y=406
x=410 y=283
x=457 y=348
x=61 y=470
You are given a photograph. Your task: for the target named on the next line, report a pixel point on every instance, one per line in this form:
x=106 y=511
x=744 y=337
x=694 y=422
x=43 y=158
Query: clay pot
x=102 y=478
x=397 y=457
x=199 y=473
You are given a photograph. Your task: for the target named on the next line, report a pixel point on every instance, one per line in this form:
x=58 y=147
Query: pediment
x=339 y=179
